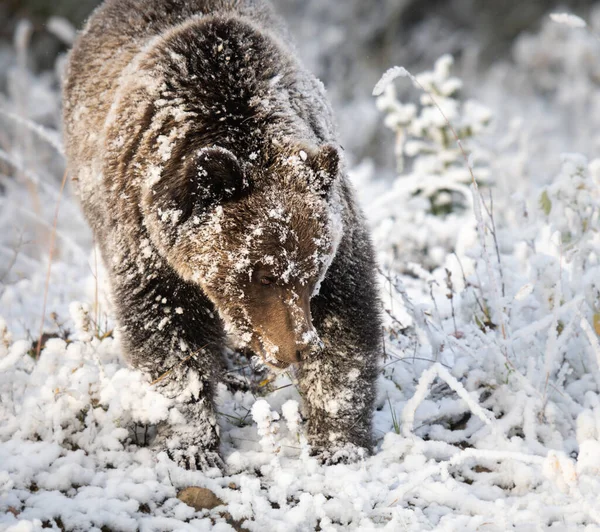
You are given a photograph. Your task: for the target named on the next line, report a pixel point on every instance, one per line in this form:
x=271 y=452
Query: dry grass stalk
x=50 y=255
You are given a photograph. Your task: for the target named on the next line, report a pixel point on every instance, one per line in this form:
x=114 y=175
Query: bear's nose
x=298 y=355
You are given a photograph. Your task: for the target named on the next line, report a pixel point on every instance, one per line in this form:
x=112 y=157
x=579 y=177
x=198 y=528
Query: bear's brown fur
x=206 y=162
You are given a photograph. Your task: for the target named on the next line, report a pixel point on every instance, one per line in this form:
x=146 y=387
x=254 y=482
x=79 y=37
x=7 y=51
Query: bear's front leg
x=170 y=332
x=338 y=389
x=191 y=434
x=338 y=384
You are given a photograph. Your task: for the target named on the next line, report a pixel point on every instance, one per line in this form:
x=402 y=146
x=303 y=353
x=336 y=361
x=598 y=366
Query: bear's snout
x=285 y=333
x=293 y=347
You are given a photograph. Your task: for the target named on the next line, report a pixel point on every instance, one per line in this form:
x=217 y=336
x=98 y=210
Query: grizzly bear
x=205 y=159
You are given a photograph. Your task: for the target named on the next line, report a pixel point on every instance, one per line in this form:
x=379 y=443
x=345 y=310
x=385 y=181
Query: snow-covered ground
x=488 y=416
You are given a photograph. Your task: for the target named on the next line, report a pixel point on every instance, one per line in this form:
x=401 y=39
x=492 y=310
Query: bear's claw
x=196 y=459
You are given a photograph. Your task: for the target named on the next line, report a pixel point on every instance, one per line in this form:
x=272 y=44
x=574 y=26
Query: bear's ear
x=217 y=175
x=208 y=177
x=325 y=163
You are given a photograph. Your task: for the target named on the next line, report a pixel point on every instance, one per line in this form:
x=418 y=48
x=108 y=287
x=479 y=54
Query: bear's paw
x=195 y=458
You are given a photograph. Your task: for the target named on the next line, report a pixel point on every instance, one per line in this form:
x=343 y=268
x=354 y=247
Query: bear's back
x=114 y=35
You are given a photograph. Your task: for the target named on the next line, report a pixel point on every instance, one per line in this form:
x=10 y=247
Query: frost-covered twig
x=80 y=314
x=422 y=389
x=552 y=340
x=291 y=413
x=538 y=325
x=556 y=466
x=396 y=72
x=490 y=213
x=415 y=313
x=44 y=133
x=386 y=79
x=462 y=456
x=488 y=263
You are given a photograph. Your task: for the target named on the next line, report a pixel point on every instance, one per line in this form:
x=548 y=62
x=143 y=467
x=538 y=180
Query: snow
x=568 y=19
x=488 y=408
x=387 y=78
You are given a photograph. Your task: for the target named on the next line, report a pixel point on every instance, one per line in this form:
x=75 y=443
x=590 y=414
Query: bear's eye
x=266 y=280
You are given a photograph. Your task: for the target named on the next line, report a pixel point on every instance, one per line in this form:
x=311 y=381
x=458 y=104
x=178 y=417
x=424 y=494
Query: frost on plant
x=268 y=425
x=432 y=182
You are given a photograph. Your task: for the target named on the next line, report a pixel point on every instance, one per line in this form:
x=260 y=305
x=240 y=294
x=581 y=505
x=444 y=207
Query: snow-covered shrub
x=267 y=422
x=422 y=217
x=571 y=204
x=514 y=318
x=88 y=399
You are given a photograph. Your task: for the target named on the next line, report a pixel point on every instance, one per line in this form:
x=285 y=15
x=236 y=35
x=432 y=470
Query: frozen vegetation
x=488 y=415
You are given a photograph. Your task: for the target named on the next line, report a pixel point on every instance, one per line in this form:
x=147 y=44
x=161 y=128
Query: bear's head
x=258 y=238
